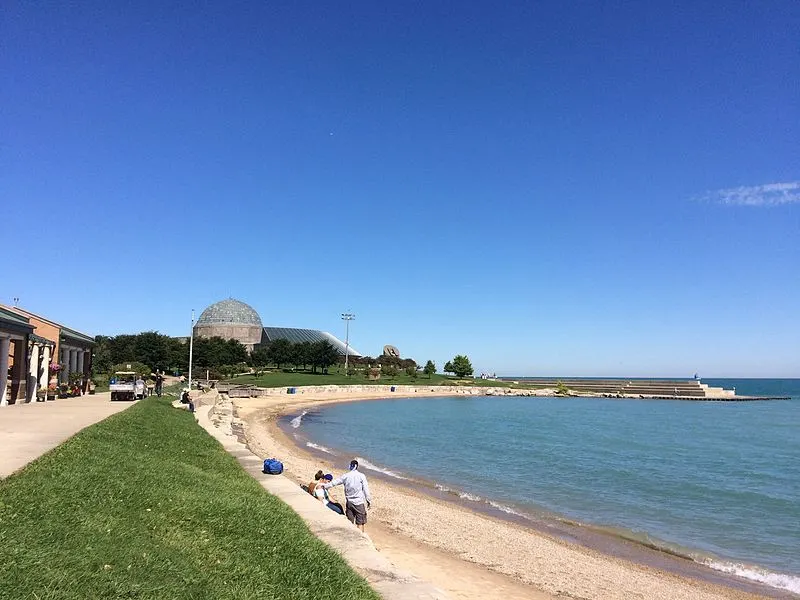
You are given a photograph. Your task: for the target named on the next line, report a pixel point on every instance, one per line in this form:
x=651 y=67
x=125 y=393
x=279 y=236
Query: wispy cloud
x=770 y=194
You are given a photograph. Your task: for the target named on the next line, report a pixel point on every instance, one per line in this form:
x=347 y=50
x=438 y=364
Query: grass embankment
x=298 y=378
x=146 y=505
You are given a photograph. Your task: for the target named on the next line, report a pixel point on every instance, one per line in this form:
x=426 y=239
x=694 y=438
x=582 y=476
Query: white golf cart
x=123 y=386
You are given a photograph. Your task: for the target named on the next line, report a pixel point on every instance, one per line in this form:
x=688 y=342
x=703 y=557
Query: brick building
x=29 y=344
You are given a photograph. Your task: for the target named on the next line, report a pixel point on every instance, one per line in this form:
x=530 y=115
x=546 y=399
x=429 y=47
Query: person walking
x=140 y=389
x=356 y=494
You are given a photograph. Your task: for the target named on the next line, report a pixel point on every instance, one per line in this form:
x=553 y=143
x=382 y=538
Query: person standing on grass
x=140 y=389
x=356 y=494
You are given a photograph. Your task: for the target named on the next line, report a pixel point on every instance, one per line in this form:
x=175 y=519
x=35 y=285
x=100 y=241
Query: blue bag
x=272 y=466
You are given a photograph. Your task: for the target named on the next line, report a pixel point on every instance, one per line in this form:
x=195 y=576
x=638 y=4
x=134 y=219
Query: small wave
x=442 y=488
x=368 y=465
x=468 y=496
x=297 y=420
x=320 y=448
x=506 y=509
x=776 y=580
x=475 y=498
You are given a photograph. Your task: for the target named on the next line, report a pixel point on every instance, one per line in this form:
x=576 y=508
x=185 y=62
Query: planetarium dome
x=230 y=319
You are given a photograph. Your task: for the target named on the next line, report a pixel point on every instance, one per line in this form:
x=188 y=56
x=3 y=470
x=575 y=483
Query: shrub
x=137 y=367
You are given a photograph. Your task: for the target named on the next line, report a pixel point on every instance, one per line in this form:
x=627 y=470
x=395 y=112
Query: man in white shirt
x=356 y=493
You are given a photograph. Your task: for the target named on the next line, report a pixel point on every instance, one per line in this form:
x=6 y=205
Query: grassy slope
x=147 y=505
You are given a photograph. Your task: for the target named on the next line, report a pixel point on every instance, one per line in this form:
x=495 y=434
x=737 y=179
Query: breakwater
x=661 y=389
x=617 y=388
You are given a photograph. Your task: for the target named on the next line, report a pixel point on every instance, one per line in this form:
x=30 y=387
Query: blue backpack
x=273 y=466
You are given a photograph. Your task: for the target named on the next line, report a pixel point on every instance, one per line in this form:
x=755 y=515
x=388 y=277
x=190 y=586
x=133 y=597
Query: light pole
x=191 y=349
x=347 y=317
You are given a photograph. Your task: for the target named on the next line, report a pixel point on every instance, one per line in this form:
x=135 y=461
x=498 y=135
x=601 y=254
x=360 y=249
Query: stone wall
x=369 y=390
x=248 y=335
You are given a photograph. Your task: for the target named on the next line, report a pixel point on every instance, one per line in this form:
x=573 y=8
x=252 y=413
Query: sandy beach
x=463 y=552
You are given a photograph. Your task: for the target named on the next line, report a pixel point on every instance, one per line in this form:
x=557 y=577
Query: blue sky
x=560 y=189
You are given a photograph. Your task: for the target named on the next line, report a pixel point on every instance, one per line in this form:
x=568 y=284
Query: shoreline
x=573 y=560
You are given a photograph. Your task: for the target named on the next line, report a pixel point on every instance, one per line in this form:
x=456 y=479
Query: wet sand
x=474 y=555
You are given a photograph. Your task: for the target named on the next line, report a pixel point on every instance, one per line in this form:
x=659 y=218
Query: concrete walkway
x=29 y=430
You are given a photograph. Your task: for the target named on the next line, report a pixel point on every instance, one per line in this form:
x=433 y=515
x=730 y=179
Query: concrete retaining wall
x=333 y=529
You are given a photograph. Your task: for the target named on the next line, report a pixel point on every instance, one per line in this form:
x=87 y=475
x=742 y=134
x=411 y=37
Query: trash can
x=291 y=390
x=391 y=389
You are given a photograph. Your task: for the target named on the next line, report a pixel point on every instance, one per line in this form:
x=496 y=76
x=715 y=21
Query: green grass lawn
x=278 y=378
x=147 y=505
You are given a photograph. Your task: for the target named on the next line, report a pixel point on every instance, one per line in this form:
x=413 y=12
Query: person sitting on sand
x=330 y=501
x=356 y=494
x=316 y=489
x=312 y=486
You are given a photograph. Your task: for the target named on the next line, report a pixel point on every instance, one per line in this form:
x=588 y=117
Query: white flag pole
x=191 y=349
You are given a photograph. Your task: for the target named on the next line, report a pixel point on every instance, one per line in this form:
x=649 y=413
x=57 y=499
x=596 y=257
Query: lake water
x=715 y=481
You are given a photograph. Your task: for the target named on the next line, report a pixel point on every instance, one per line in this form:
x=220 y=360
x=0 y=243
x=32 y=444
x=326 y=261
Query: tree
x=323 y=355
x=152 y=348
x=279 y=352
x=101 y=362
x=461 y=366
x=448 y=367
x=405 y=363
x=227 y=371
x=390 y=371
x=210 y=352
x=430 y=368
x=385 y=361
x=235 y=352
x=300 y=354
x=217 y=351
x=178 y=355
x=123 y=348
x=260 y=357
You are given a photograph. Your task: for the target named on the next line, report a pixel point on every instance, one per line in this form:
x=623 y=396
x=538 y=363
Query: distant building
x=231 y=320
x=15 y=332
x=305 y=335
x=29 y=345
x=234 y=320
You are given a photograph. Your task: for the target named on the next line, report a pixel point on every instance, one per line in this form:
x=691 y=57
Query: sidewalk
x=29 y=430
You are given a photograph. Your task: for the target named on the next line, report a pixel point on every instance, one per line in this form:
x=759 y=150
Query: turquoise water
x=719 y=482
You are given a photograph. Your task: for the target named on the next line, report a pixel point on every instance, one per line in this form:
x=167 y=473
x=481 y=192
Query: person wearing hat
x=356 y=494
x=320 y=493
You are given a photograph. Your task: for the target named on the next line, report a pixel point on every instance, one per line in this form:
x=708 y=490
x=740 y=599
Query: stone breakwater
x=697 y=392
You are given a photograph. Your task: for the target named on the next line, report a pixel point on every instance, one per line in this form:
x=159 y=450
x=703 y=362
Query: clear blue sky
x=551 y=189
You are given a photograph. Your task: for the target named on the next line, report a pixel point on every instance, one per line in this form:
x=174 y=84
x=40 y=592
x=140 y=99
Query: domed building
x=234 y=320
x=231 y=319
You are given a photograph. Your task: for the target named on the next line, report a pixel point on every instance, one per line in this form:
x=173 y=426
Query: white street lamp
x=347 y=317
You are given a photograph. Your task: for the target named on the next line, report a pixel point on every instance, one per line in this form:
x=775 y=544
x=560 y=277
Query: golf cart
x=123 y=386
